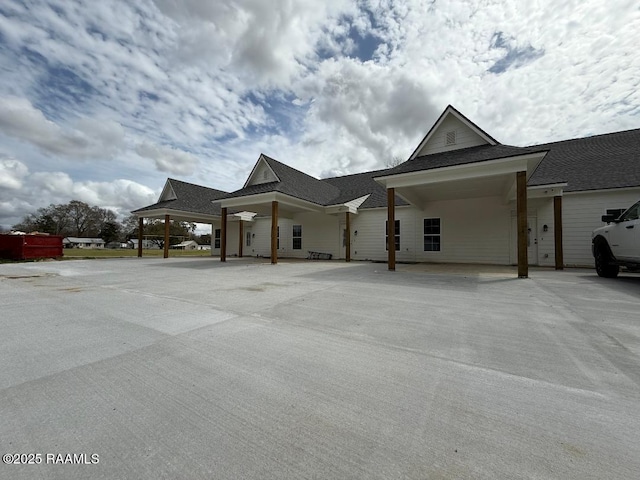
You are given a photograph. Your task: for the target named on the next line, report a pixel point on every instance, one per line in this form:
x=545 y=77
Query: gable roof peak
x=450 y=110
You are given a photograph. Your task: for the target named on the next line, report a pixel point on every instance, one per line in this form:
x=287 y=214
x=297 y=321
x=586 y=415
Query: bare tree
x=393 y=161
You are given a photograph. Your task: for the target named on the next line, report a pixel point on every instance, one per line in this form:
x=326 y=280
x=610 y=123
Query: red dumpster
x=28 y=247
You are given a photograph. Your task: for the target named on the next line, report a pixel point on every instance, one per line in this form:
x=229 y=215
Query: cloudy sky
x=101 y=101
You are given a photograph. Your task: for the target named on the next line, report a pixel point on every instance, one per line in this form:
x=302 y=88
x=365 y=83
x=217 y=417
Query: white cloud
x=12 y=173
x=168 y=159
x=201 y=88
x=92 y=138
x=41 y=189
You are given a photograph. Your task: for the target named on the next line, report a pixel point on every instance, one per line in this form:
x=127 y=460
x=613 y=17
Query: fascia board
x=161 y=212
x=466 y=171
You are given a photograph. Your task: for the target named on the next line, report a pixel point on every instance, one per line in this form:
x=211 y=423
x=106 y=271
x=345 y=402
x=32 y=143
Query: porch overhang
x=262 y=202
x=480 y=179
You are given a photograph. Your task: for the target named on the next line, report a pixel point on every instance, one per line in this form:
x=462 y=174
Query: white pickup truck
x=617 y=243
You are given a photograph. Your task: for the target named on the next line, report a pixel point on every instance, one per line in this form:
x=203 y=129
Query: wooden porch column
x=274 y=232
x=240 y=237
x=140 y=236
x=223 y=235
x=391 y=227
x=557 y=230
x=521 y=207
x=348 y=237
x=167 y=219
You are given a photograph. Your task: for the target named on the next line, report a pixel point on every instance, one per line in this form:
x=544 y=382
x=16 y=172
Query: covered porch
x=290 y=211
x=468 y=208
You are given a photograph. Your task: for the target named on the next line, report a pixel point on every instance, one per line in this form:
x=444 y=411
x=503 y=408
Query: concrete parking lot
x=190 y=368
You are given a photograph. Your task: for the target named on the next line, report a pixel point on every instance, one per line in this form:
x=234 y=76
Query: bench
x=318 y=256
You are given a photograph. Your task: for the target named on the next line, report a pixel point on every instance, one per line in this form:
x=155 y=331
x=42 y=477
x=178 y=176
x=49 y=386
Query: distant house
x=83 y=242
x=186 y=245
x=146 y=244
x=117 y=245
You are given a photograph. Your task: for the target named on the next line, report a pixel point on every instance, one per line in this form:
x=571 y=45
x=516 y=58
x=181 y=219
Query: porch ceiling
x=420 y=195
x=479 y=179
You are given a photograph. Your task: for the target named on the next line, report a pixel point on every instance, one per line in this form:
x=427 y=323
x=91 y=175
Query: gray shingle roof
x=292 y=182
x=462 y=156
x=359 y=185
x=190 y=198
x=593 y=163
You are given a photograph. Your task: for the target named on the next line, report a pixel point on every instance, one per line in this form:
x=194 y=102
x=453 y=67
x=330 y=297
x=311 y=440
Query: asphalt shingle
x=593 y=163
x=190 y=198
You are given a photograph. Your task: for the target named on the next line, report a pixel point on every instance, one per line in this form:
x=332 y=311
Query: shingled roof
x=292 y=182
x=189 y=198
x=599 y=162
x=361 y=184
x=461 y=156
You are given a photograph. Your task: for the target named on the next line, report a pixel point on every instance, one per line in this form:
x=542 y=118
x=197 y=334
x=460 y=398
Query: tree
x=178 y=231
x=110 y=232
x=394 y=161
x=204 y=239
x=70 y=219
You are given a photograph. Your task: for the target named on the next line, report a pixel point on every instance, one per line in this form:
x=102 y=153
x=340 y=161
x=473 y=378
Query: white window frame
x=431 y=235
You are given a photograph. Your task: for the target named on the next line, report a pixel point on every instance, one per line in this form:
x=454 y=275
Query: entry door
x=532 y=240
x=343 y=239
x=248 y=241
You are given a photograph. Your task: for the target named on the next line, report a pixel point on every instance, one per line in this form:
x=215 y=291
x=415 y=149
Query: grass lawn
x=74 y=253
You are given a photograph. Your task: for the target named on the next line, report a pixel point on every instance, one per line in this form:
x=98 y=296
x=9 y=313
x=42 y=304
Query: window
x=248 y=237
x=431 y=234
x=396 y=235
x=632 y=214
x=278 y=238
x=216 y=238
x=297 y=237
x=616 y=212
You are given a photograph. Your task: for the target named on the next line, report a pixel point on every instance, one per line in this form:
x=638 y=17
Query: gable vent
x=451 y=138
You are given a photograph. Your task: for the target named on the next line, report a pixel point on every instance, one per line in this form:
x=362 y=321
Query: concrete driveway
x=189 y=368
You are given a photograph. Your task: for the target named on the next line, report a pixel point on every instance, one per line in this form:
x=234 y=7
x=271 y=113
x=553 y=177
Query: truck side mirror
x=609 y=218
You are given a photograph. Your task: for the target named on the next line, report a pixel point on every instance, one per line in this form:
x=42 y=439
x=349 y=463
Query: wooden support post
x=521 y=207
x=167 y=220
x=557 y=230
x=274 y=232
x=240 y=237
x=140 y=235
x=348 y=237
x=223 y=234
x=391 y=227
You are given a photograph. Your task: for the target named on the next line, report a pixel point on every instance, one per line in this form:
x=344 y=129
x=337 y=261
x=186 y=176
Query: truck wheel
x=603 y=266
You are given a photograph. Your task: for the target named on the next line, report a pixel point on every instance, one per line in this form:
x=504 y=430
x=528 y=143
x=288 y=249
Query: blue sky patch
x=515 y=57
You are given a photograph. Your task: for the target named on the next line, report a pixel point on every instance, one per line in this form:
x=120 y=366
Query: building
x=83 y=242
x=461 y=197
x=186 y=245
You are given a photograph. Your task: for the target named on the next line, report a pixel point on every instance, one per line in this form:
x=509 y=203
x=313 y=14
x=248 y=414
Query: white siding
x=369 y=242
x=320 y=233
x=477 y=230
x=472 y=231
x=465 y=137
x=581 y=214
x=233 y=230
x=262 y=174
